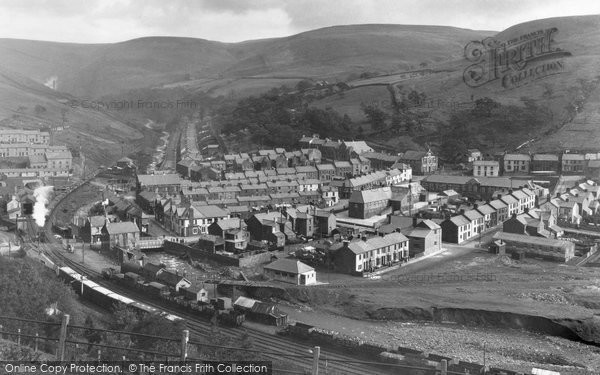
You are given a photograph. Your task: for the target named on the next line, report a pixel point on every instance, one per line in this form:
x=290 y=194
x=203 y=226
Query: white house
x=291 y=271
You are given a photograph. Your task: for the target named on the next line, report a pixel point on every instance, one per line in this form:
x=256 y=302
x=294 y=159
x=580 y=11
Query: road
x=452 y=252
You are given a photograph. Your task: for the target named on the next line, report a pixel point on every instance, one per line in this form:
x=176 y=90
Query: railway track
x=200 y=329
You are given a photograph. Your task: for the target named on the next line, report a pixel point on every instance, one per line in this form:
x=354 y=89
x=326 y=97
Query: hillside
x=100 y=69
x=571 y=94
x=380 y=65
x=27 y=104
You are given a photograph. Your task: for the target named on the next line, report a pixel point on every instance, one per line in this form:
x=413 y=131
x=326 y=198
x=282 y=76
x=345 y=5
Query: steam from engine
x=42 y=196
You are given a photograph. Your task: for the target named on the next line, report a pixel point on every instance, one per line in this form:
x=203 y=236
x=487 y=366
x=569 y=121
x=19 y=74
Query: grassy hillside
x=381 y=65
x=100 y=69
x=572 y=94
x=29 y=105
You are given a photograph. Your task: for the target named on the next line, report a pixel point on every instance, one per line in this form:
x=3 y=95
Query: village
x=330 y=213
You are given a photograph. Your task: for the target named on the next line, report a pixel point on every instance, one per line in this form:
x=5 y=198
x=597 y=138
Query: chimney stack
x=414 y=221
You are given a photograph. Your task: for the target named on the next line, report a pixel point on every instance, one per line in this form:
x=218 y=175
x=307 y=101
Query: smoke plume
x=51 y=82
x=42 y=197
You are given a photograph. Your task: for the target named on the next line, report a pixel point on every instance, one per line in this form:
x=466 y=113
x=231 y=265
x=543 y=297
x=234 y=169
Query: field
x=349 y=102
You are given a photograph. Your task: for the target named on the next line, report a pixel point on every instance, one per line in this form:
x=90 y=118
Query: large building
x=574 y=164
x=23 y=136
x=59 y=160
x=486 y=168
x=545 y=163
x=516 y=163
x=421 y=162
x=424 y=238
x=366 y=203
x=538 y=247
x=476 y=187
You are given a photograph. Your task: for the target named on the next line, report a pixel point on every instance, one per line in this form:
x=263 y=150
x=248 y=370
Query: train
x=219 y=308
x=106 y=297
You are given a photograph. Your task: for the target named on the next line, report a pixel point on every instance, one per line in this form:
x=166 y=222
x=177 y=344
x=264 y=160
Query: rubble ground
x=529 y=287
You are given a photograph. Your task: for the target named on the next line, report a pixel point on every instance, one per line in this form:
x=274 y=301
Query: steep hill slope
x=27 y=104
x=571 y=93
x=100 y=69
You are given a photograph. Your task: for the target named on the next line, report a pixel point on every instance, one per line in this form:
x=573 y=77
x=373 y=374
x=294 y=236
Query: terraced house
x=457 y=229
x=367 y=255
x=516 y=163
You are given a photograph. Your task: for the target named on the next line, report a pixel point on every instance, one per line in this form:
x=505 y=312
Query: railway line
x=200 y=329
x=336 y=363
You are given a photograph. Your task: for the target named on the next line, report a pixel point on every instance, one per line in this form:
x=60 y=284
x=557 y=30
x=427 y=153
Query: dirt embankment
x=586 y=330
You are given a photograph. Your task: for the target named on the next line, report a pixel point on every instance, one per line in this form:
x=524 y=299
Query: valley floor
x=530 y=287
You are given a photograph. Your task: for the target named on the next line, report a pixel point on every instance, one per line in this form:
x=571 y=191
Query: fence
x=184 y=343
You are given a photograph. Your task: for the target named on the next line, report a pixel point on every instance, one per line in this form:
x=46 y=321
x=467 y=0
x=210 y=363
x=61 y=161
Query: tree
x=39 y=109
x=484 y=107
x=375 y=116
x=305 y=84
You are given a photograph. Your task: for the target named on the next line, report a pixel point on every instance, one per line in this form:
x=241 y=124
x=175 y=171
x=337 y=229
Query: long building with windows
x=24 y=136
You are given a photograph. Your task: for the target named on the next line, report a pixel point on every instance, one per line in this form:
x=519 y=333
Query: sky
x=108 y=21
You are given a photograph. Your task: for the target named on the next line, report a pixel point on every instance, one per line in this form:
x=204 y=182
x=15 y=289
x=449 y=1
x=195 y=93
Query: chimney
x=514 y=215
x=499 y=196
x=414 y=221
x=364 y=238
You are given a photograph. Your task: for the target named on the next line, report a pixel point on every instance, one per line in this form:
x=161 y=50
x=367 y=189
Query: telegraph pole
x=315 y=367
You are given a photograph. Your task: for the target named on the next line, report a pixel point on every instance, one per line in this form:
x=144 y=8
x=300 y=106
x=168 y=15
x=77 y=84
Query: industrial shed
x=538 y=247
x=266 y=313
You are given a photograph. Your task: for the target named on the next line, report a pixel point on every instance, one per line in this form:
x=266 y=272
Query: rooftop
x=289 y=265
x=122 y=227
x=532 y=240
